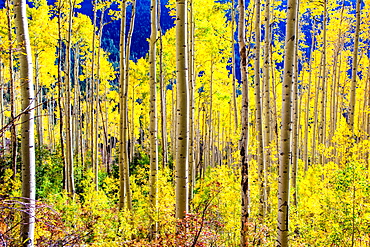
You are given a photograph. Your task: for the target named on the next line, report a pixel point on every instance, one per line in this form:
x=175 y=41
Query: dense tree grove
x=246 y=124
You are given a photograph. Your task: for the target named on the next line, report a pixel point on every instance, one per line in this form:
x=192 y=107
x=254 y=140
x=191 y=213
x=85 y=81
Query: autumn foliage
x=329 y=204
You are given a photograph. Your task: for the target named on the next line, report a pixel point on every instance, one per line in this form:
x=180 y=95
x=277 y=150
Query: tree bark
x=59 y=99
x=125 y=190
x=259 y=131
x=352 y=100
x=191 y=28
x=38 y=120
x=128 y=52
x=266 y=102
x=2 y=117
x=245 y=193
x=13 y=132
x=233 y=64
x=27 y=124
x=162 y=95
x=296 y=115
x=307 y=112
x=94 y=110
x=286 y=120
x=153 y=121
x=182 y=155
x=322 y=130
x=69 y=151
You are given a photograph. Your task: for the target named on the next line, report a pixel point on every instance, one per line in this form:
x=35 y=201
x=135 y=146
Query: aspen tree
x=286 y=120
x=233 y=63
x=191 y=67
x=316 y=116
x=132 y=134
x=27 y=124
x=245 y=194
x=210 y=120
x=13 y=133
x=38 y=96
x=69 y=151
x=307 y=112
x=274 y=117
x=51 y=125
x=322 y=126
x=162 y=93
x=340 y=102
x=76 y=103
x=266 y=100
x=2 y=117
x=257 y=94
x=93 y=110
x=352 y=100
x=128 y=52
x=153 y=120
x=174 y=122
x=96 y=83
x=295 y=110
x=125 y=190
x=335 y=83
x=182 y=143
x=97 y=99
x=365 y=124
x=60 y=91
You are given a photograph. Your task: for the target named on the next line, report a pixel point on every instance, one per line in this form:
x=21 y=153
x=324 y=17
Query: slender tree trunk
x=210 y=120
x=153 y=132
x=97 y=102
x=27 y=124
x=245 y=194
x=182 y=155
x=51 y=124
x=38 y=96
x=233 y=64
x=125 y=190
x=257 y=93
x=162 y=95
x=69 y=149
x=76 y=104
x=322 y=130
x=128 y=53
x=60 y=91
x=132 y=134
x=316 y=116
x=307 y=112
x=335 y=83
x=266 y=103
x=286 y=120
x=191 y=28
x=366 y=114
x=2 y=117
x=13 y=133
x=295 y=110
x=352 y=100
x=274 y=116
x=174 y=122
x=93 y=110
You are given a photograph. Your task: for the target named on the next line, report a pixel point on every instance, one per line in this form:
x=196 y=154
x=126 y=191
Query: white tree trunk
x=257 y=93
x=153 y=132
x=352 y=101
x=69 y=151
x=125 y=191
x=27 y=123
x=182 y=142
x=286 y=123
